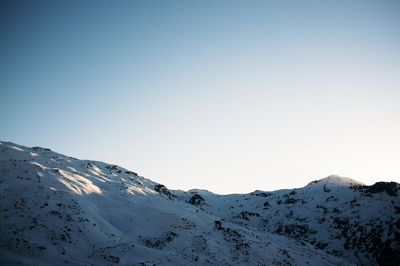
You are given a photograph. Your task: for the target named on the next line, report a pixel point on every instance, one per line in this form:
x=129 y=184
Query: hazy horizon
x=228 y=96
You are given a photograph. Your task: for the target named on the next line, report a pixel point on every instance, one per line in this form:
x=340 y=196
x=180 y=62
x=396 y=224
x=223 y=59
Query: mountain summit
x=56 y=209
x=338 y=181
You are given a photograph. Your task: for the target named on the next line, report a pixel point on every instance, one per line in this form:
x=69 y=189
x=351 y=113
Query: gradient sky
x=228 y=96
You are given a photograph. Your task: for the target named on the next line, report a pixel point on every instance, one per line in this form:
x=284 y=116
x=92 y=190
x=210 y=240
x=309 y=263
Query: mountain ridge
x=55 y=207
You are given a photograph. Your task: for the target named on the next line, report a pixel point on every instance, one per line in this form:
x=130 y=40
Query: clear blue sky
x=229 y=96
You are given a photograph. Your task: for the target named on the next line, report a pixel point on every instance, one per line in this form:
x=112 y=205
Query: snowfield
x=57 y=210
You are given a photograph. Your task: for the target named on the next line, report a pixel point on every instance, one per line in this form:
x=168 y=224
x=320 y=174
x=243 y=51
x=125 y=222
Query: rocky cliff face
x=55 y=208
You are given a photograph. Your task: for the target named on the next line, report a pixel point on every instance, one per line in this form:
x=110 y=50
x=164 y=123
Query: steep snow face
x=56 y=209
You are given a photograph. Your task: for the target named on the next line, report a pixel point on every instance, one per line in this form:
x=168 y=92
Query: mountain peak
x=337 y=180
x=58 y=208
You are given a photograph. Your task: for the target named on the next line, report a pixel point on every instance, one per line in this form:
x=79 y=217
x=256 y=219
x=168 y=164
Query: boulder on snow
x=218 y=225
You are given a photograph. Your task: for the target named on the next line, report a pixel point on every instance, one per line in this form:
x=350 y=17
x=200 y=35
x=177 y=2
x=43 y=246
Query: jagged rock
x=290 y=201
x=246 y=214
x=390 y=188
x=196 y=200
x=261 y=194
x=112 y=167
x=163 y=190
x=131 y=173
x=37 y=148
x=160 y=242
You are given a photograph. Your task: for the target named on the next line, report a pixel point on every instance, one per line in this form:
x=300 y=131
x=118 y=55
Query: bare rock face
x=196 y=200
x=163 y=190
x=390 y=188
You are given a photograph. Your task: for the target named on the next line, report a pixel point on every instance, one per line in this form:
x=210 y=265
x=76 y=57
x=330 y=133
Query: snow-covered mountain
x=56 y=209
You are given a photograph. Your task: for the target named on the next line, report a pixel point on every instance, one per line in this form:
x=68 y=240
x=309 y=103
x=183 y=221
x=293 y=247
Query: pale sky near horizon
x=228 y=96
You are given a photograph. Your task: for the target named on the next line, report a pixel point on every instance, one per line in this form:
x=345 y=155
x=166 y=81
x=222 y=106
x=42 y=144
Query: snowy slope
x=57 y=209
x=339 y=215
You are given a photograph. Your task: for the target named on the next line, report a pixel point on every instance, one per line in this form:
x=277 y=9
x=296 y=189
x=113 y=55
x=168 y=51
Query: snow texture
x=56 y=209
